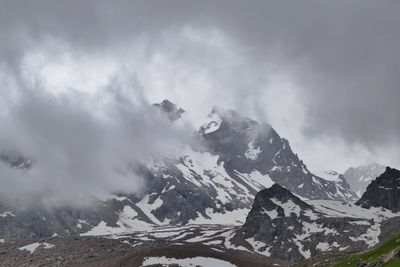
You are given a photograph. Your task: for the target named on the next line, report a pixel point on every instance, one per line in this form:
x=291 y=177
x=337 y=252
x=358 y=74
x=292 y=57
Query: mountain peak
x=229 y=119
x=231 y=115
x=170 y=109
x=392 y=171
x=280 y=193
x=383 y=192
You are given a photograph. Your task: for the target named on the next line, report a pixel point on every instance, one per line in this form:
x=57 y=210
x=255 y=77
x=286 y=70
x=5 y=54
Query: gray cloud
x=325 y=73
x=80 y=151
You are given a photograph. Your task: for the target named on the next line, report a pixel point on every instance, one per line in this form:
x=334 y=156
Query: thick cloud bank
x=80 y=149
x=323 y=73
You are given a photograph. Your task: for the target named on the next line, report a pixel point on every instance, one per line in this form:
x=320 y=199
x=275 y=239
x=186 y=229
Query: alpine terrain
x=236 y=185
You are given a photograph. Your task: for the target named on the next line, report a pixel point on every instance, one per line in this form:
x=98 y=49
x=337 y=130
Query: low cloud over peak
x=75 y=153
x=324 y=74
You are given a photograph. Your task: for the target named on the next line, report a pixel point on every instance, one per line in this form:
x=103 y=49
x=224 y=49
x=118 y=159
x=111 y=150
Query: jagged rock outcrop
x=282 y=225
x=169 y=109
x=383 y=192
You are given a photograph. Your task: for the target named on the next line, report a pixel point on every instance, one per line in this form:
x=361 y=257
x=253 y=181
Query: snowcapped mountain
x=383 y=192
x=281 y=225
x=360 y=177
x=217 y=180
x=213 y=180
x=244 y=146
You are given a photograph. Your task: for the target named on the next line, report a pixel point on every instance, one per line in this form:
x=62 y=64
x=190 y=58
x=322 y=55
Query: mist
x=76 y=80
x=83 y=148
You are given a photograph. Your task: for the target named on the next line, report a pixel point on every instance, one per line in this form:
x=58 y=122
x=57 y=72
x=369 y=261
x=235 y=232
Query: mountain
x=166 y=107
x=244 y=146
x=383 y=192
x=360 y=177
x=283 y=226
x=212 y=180
x=216 y=176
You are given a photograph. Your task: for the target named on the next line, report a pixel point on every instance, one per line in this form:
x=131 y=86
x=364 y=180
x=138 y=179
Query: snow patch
x=271 y=213
x=32 y=247
x=187 y=262
x=235 y=217
x=252 y=152
x=213 y=124
x=7 y=213
x=128 y=222
x=148 y=207
x=256 y=180
x=259 y=247
x=289 y=207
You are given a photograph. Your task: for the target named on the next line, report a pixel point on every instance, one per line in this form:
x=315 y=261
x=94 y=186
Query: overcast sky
x=324 y=74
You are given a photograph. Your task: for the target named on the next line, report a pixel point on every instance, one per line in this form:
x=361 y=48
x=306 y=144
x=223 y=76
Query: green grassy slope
x=342 y=259
x=394 y=263
x=372 y=255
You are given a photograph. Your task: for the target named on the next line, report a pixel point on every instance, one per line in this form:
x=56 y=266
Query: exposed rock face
x=169 y=109
x=383 y=192
x=281 y=225
x=360 y=177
